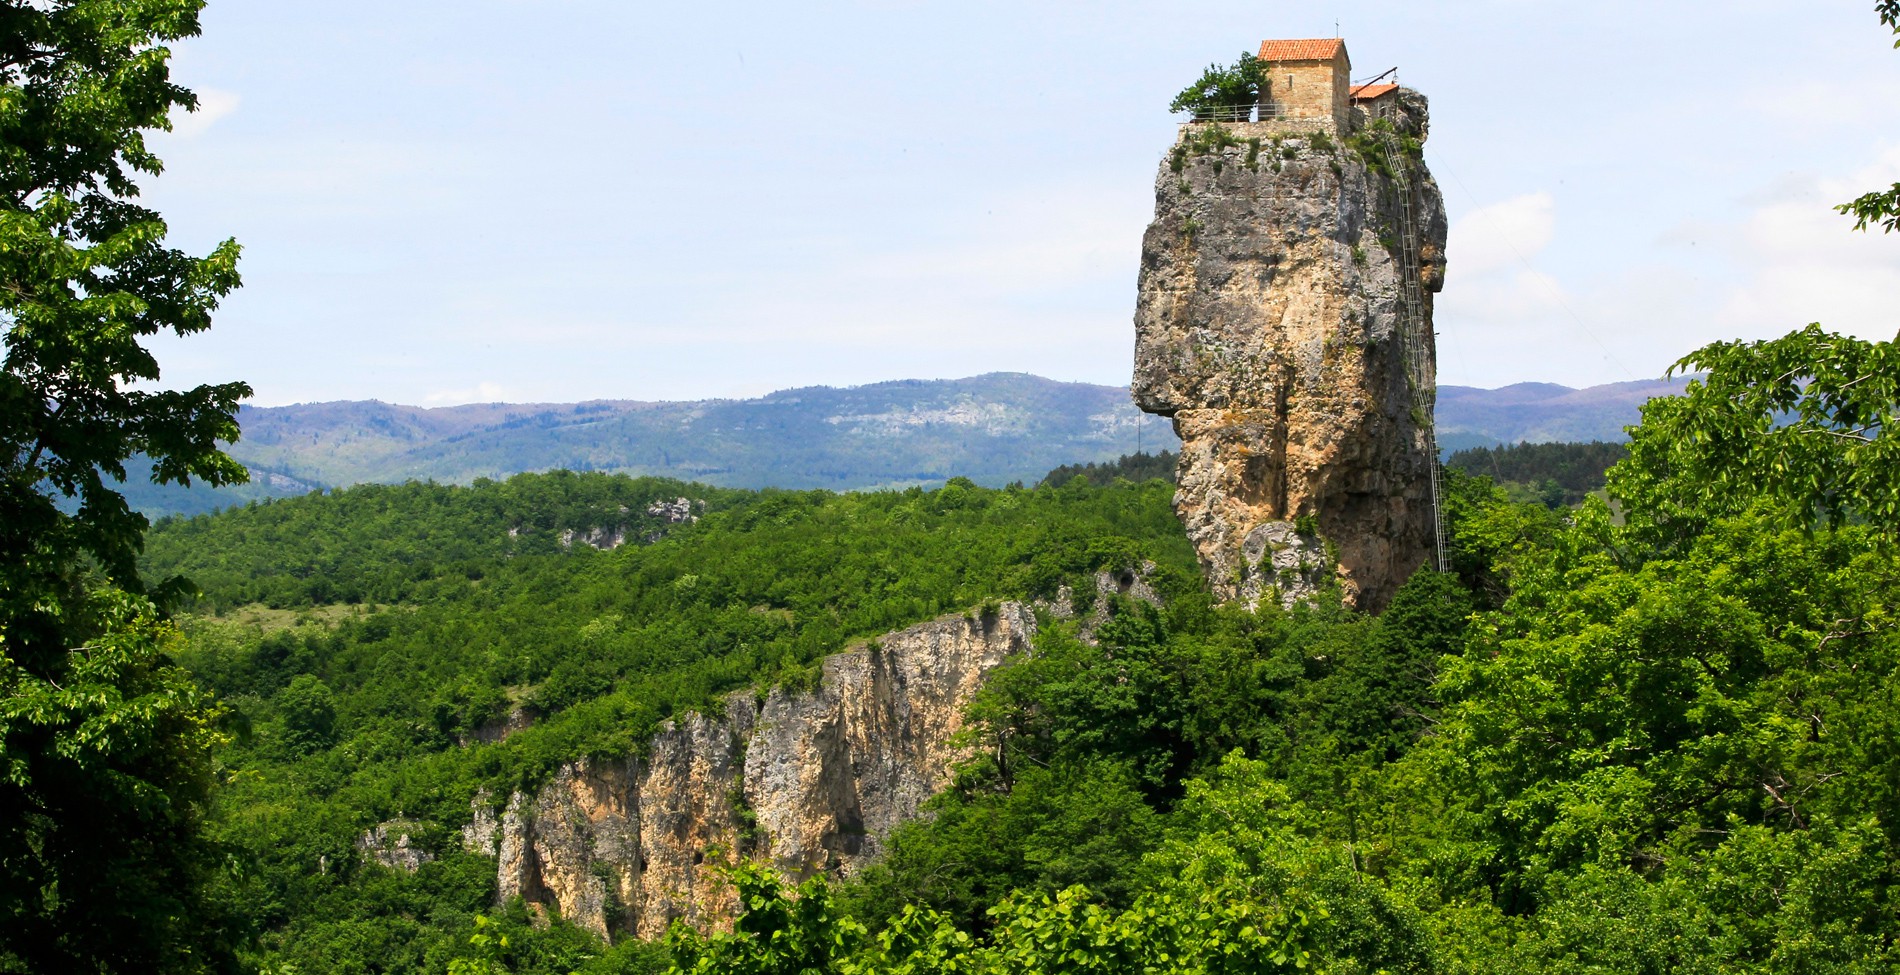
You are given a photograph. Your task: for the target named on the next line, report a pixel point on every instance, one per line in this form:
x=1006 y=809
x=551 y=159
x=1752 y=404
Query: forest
x=1132 y=467
x=1557 y=475
x=1647 y=743
x=359 y=693
x=1645 y=726
x=1651 y=743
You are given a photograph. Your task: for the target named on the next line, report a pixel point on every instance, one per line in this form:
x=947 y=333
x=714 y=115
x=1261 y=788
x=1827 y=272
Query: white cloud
x=1506 y=298
x=484 y=392
x=1785 y=258
x=1495 y=293
x=213 y=104
x=1042 y=239
x=1503 y=318
x=1799 y=262
x=1502 y=235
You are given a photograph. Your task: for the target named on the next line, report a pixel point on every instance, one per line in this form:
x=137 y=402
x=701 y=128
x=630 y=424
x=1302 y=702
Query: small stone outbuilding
x=1377 y=101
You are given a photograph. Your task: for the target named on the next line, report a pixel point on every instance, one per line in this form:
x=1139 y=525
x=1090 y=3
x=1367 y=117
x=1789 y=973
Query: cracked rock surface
x=808 y=779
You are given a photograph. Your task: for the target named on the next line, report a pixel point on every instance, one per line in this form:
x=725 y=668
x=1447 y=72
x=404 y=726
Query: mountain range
x=1543 y=412
x=992 y=429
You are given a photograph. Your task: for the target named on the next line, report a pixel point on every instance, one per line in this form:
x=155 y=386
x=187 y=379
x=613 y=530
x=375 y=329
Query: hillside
x=1340 y=673
x=532 y=708
x=1543 y=412
x=408 y=650
x=992 y=429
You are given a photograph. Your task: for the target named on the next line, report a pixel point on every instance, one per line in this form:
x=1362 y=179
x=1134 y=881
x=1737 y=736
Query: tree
x=1224 y=92
x=779 y=931
x=105 y=744
x=1807 y=421
x=84 y=275
x=107 y=767
x=309 y=711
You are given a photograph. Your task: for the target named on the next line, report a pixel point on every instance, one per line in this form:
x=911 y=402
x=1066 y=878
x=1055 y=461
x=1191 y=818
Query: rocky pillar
x=1284 y=324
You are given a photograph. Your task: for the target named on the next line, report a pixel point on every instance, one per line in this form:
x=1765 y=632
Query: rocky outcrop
x=1128 y=583
x=614 y=529
x=1284 y=323
x=809 y=780
x=389 y=844
x=679 y=511
x=676 y=511
x=661 y=516
x=483 y=830
x=603 y=537
x=691 y=807
x=503 y=727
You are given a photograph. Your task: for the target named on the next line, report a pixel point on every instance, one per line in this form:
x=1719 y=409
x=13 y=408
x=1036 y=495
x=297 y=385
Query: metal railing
x=1250 y=112
x=1241 y=114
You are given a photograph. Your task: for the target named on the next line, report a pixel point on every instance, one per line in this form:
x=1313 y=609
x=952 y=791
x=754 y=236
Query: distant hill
x=992 y=429
x=1543 y=412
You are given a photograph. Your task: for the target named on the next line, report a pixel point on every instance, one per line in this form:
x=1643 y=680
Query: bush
x=1223 y=93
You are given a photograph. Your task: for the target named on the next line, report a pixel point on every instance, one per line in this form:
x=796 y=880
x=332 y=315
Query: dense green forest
x=380 y=543
x=1556 y=475
x=1653 y=743
x=1658 y=744
x=1647 y=746
x=1132 y=467
x=1652 y=733
x=351 y=715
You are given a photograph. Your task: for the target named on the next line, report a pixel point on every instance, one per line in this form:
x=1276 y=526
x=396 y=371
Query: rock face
x=1285 y=324
x=389 y=844
x=810 y=780
x=603 y=537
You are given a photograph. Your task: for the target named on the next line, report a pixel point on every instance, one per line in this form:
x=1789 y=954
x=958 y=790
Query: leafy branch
x=1880 y=206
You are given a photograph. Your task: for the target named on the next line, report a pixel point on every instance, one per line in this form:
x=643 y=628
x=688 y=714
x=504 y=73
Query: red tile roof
x=1318 y=49
x=1365 y=92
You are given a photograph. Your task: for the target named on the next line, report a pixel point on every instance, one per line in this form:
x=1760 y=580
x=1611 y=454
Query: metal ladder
x=1411 y=297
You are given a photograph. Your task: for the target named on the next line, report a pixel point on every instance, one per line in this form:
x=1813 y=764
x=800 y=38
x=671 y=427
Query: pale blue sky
x=556 y=200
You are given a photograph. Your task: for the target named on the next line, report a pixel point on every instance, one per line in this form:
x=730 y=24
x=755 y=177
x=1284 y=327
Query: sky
x=560 y=200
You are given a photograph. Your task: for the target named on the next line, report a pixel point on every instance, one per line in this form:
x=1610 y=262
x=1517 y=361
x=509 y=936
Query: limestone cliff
x=809 y=780
x=1284 y=323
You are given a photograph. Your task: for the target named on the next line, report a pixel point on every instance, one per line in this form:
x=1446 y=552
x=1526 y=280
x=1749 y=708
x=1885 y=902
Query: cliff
x=1284 y=323
x=808 y=780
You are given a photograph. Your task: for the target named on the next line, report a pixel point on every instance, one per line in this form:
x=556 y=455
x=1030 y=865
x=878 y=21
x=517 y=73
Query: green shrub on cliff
x=1223 y=92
